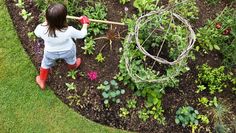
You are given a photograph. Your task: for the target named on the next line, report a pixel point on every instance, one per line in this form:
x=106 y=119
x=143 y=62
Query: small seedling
x=72 y=74
x=70 y=86
x=20 y=4
x=100 y=58
x=25 y=15
x=123 y=112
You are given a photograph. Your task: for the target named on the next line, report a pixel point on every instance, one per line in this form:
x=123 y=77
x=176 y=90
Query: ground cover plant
x=140 y=76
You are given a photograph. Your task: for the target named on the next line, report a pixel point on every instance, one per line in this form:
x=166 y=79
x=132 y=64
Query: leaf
x=117 y=100
x=177 y=121
x=105 y=95
x=105 y=82
x=216 y=47
x=106 y=101
x=122 y=91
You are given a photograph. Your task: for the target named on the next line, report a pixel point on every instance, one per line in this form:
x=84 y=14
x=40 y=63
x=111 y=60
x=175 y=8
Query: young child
x=57 y=36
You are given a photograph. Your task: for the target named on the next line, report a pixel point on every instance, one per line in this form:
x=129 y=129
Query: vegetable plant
x=110 y=92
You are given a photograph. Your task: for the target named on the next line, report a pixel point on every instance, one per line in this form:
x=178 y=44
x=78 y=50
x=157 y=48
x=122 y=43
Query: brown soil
x=91 y=104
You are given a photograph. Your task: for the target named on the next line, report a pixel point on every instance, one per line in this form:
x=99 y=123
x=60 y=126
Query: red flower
x=227 y=31
x=218 y=25
x=92 y=75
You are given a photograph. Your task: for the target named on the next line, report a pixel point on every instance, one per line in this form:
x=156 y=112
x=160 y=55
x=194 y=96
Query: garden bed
x=88 y=100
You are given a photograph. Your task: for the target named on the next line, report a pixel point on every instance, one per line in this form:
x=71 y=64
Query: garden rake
x=98 y=21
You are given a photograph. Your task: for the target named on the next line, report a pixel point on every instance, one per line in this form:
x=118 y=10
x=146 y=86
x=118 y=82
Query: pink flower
x=92 y=75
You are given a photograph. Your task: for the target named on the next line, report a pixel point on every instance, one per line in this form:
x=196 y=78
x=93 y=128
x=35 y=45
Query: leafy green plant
x=143 y=114
x=217 y=34
x=31 y=35
x=188 y=10
x=208 y=103
x=145 y=5
x=100 y=58
x=212 y=79
x=131 y=103
x=25 y=15
x=98 y=11
x=186 y=116
x=89 y=45
x=72 y=74
x=123 y=1
x=70 y=86
x=20 y=4
x=123 y=112
x=204 y=119
x=110 y=91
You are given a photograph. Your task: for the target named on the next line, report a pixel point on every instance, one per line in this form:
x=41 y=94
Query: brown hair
x=56 y=18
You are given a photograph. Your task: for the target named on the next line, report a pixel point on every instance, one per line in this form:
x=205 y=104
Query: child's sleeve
x=38 y=31
x=78 y=34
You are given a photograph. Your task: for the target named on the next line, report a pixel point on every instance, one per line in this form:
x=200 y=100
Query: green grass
x=24 y=108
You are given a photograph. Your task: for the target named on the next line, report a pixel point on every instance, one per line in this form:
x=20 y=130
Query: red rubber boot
x=76 y=65
x=41 y=79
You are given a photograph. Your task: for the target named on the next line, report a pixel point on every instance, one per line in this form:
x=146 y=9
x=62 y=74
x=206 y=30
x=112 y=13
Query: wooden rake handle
x=98 y=21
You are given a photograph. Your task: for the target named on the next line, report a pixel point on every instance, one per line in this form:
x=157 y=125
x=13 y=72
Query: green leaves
x=100 y=58
x=89 y=45
x=212 y=79
x=186 y=116
x=72 y=74
x=110 y=91
x=70 y=86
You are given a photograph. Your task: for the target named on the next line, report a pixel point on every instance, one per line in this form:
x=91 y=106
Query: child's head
x=56 y=18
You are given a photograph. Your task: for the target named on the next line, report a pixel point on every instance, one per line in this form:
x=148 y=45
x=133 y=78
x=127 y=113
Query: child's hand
x=84 y=20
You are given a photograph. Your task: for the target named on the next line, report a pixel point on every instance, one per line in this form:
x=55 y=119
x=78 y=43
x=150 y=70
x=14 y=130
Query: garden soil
x=90 y=99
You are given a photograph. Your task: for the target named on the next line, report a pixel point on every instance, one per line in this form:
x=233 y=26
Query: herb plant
x=110 y=92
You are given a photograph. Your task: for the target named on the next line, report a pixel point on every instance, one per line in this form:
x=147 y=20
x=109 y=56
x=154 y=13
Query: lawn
x=24 y=107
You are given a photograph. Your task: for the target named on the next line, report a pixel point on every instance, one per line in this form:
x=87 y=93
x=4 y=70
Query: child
x=57 y=36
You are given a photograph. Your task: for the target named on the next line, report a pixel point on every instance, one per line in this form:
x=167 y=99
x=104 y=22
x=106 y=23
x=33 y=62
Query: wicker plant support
x=191 y=38
x=179 y=61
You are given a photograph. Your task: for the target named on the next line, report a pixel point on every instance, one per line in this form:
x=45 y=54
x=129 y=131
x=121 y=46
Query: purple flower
x=92 y=75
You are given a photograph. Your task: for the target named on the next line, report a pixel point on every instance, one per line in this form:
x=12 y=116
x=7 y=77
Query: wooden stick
x=98 y=21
